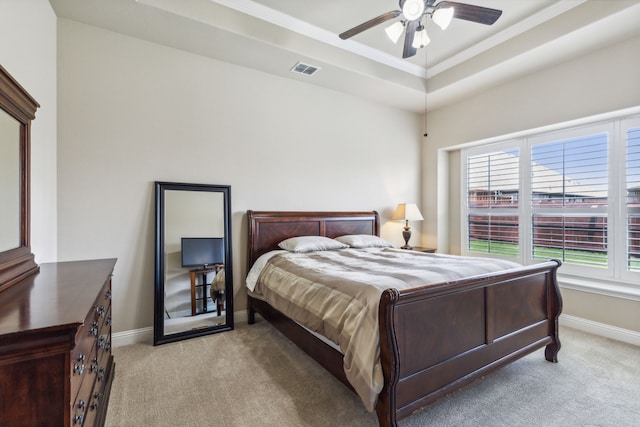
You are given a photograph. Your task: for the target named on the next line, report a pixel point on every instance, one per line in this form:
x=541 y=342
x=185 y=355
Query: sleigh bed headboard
x=268 y=228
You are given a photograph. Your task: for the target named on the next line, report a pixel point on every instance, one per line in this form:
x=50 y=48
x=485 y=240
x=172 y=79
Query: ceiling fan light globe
x=394 y=31
x=442 y=17
x=413 y=9
x=421 y=38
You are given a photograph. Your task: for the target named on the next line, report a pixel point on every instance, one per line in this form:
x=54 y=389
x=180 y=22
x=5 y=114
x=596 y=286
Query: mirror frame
x=159 y=337
x=18 y=263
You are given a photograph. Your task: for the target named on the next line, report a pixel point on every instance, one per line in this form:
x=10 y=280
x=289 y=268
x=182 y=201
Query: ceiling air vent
x=306 y=69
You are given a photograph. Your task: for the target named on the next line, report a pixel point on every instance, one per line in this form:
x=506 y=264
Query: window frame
x=569 y=134
x=614 y=279
x=487 y=150
x=621 y=213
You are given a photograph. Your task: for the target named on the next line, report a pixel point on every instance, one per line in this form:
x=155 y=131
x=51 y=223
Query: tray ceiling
x=274 y=35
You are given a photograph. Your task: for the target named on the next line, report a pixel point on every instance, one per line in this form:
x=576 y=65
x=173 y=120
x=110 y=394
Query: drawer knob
x=81 y=404
x=93 y=330
x=78 y=419
x=94 y=365
x=78 y=368
x=95 y=404
x=100 y=311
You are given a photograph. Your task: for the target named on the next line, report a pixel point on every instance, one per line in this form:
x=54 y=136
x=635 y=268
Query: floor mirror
x=193 y=268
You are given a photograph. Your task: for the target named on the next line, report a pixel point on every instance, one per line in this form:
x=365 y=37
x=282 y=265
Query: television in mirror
x=201 y=252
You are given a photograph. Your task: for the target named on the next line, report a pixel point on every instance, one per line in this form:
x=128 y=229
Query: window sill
x=600 y=286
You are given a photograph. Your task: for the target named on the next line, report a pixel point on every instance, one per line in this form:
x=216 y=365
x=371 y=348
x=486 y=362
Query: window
x=633 y=199
x=569 y=200
x=572 y=194
x=493 y=193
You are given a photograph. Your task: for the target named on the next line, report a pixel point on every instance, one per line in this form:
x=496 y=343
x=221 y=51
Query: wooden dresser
x=56 y=366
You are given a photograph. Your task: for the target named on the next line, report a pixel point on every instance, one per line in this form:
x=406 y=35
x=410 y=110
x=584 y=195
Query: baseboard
x=134 y=336
x=602 y=329
x=145 y=335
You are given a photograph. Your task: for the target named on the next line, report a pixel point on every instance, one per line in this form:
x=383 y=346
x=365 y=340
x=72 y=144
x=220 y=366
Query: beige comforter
x=336 y=293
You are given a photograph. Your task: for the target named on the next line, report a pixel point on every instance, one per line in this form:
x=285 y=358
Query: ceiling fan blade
x=470 y=12
x=410 y=33
x=370 y=23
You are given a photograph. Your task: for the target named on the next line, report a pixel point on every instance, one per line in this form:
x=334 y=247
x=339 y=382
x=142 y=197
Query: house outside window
x=572 y=194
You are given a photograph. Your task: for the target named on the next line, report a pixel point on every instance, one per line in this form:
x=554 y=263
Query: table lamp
x=407 y=212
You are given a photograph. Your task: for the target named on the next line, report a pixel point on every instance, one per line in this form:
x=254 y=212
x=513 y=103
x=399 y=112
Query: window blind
x=493 y=188
x=633 y=199
x=570 y=173
x=570 y=179
x=493 y=180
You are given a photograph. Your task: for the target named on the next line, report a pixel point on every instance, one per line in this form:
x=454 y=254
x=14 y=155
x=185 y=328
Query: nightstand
x=423 y=249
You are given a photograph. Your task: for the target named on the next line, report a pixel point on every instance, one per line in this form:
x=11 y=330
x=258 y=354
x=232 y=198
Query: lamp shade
x=442 y=16
x=408 y=212
x=394 y=31
x=420 y=38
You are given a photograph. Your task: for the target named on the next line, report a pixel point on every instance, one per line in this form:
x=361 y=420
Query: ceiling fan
x=413 y=11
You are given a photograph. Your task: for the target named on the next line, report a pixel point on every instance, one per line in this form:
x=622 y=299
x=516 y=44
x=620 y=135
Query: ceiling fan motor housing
x=412 y=9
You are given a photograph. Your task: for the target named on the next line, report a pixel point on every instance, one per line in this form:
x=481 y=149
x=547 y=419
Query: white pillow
x=360 y=241
x=310 y=243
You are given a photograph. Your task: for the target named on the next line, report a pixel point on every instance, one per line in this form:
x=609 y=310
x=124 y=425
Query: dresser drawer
x=103 y=351
x=103 y=303
x=80 y=406
x=95 y=403
x=82 y=354
x=104 y=323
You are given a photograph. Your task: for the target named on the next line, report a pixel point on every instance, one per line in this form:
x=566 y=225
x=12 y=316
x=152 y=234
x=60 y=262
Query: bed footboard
x=437 y=338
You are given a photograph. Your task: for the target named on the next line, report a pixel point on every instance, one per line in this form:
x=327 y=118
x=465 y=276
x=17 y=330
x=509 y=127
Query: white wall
x=132 y=112
x=28 y=53
x=603 y=81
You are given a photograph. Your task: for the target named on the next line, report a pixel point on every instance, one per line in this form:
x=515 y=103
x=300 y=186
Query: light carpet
x=254 y=376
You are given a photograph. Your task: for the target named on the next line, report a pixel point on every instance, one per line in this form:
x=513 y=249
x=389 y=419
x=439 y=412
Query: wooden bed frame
x=436 y=338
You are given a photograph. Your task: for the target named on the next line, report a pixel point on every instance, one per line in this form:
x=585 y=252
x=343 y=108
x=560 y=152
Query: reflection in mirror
x=194 y=289
x=193 y=223
x=9 y=182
